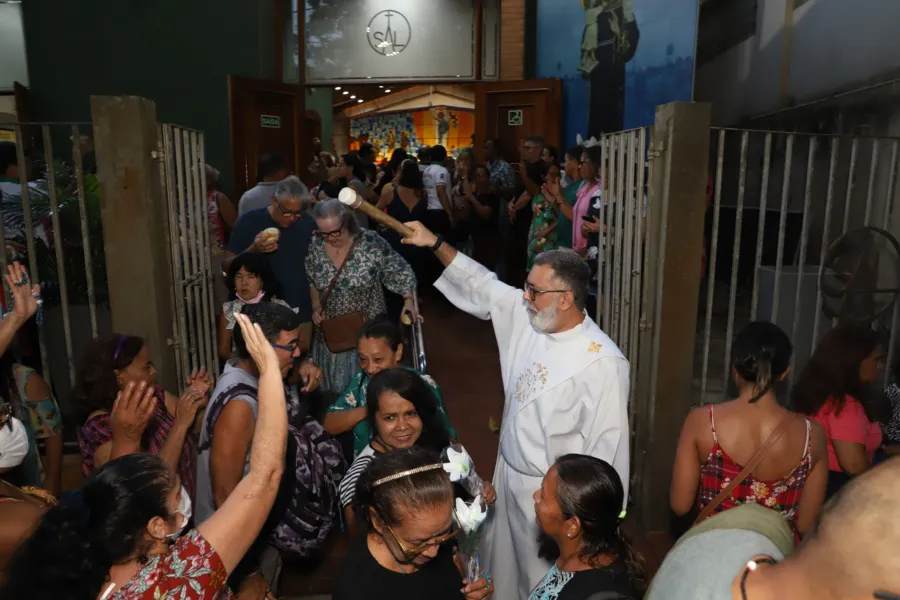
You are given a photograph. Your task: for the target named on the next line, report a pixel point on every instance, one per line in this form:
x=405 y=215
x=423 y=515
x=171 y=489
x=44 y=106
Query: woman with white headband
x=406 y=499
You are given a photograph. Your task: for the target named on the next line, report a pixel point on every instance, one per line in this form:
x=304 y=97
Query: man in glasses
x=229 y=422
x=287 y=213
x=566 y=386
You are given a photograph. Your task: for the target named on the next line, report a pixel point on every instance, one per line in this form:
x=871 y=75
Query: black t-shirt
x=611 y=583
x=362 y=578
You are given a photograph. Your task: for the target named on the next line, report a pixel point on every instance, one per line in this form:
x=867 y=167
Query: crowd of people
x=317 y=426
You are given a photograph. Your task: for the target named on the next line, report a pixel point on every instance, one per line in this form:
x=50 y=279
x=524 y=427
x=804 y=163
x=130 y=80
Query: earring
x=570 y=536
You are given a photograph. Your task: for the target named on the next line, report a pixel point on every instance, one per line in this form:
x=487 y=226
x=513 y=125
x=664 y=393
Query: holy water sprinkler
x=349 y=197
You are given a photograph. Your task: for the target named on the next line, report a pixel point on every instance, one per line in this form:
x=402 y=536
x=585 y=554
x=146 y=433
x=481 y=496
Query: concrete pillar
x=135 y=225
x=663 y=398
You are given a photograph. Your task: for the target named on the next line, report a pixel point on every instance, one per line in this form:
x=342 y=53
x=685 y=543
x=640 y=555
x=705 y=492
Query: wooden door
x=511 y=110
x=266 y=117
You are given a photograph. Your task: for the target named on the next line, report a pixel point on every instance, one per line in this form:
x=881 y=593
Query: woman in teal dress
x=371 y=265
x=379 y=348
x=543 y=233
x=569 y=185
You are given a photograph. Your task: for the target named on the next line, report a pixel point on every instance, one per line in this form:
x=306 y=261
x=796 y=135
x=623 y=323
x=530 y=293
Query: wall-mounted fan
x=860 y=277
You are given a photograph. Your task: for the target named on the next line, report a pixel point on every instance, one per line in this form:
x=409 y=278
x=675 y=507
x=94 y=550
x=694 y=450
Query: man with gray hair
x=282 y=231
x=566 y=386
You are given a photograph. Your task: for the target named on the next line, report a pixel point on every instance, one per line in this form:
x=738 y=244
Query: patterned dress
x=41 y=419
x=781 y=495
x=372 y=264
x=190 y=570
x=354 y=396
x=544 y=217
x=96 y=431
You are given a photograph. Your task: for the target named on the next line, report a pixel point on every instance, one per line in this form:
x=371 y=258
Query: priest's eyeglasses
x=532 y=292
x=414 y=551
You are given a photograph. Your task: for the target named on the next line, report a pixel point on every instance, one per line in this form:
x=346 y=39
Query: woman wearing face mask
x=406 y=501
x=250 y=280
x=121 y=541
x=379 y=348
x=20 y=508
x=109 y=365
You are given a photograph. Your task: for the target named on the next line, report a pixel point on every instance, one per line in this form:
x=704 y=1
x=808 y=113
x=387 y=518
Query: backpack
x=307 y=505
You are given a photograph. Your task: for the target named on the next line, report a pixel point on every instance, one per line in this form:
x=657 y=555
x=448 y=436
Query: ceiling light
x=346 y=92
x=381 y=86
x=338 y=88
x=359 y=101
x=387 y=91
x=353 y=97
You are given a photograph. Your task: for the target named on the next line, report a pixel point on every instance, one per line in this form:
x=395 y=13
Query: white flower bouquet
x=470 y=517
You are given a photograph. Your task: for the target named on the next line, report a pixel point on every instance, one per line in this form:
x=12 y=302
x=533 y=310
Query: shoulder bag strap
x=339 y=271
x=760 y=454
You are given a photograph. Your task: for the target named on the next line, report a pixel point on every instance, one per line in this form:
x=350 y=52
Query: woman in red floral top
x=109 y=365
x=116 y=541
x=716 y=442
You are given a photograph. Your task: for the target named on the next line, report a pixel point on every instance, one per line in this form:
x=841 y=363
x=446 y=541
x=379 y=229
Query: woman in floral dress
x=543 y=234
x=718 y=440
x=371 y=264
x=120 y=538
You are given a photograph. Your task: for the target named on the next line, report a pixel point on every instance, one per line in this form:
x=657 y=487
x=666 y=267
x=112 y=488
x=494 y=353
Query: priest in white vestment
x=566 y=385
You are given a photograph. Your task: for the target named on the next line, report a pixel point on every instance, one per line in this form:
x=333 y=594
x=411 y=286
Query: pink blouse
x=851 y=425
x=582 y=205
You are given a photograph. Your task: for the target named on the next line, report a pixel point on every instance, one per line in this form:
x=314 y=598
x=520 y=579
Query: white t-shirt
x=433 y=176
x=347 y=488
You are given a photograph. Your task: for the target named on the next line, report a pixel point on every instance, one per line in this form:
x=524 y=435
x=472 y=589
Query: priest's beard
x=547 y=547
x=544 y=320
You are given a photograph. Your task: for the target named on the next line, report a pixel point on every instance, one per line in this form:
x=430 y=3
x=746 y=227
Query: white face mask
x=13 y=443
x=185 y=510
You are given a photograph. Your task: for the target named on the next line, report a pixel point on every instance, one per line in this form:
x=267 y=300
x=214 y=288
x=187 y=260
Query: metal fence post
x=135 y=225
x=680 y=151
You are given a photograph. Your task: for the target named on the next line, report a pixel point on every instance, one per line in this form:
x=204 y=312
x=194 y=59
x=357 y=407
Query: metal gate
x=183 y=172
x=624 y=248
x=779 y=200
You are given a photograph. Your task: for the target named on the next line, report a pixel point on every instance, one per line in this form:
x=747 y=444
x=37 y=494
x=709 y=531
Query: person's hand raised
x=25 y=296
x=258 y=346
x=421 y=236
x=189 y=403
x=200 y=381
x=132 y=411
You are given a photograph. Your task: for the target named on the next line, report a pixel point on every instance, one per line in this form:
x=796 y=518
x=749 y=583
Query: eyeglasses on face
x=289 y=348
x=532 y=292
x=410 y=552
x=286 y=212
x=330 y=234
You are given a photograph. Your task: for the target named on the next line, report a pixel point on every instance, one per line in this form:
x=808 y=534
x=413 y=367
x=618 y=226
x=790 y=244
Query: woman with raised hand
x=116 y=542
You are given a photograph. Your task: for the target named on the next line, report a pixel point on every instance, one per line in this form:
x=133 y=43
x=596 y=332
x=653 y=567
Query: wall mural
x=449 y=127
x=618 y=59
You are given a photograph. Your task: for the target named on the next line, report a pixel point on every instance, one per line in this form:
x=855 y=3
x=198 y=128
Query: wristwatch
x=437 y=243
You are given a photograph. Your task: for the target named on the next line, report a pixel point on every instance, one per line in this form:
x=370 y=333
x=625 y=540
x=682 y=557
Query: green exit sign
x=271 y=121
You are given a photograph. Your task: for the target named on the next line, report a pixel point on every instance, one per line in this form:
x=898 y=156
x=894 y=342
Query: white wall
x=836 y=45
x=13 y=67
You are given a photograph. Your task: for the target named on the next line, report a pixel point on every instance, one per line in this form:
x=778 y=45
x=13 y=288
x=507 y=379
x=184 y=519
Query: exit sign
x=270 y=121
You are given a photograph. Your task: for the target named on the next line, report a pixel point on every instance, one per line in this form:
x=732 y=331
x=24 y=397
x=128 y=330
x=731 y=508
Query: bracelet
x=437 y=243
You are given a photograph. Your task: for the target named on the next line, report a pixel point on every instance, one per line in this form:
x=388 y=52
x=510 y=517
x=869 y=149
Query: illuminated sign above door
x=270 y=121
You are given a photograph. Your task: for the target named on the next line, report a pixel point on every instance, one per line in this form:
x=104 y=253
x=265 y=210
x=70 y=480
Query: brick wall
x=512 y=39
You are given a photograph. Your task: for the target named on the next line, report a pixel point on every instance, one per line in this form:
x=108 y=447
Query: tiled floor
x=463 y=359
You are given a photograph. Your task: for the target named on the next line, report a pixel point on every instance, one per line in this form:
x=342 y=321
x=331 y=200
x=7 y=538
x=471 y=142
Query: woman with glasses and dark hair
x=347 y=269
x=109 y=365
x=250 y=280
x=406 y=500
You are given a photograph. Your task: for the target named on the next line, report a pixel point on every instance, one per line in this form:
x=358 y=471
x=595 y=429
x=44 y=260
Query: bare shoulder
x=817 y=440
x=696 y=421
x=36 y=388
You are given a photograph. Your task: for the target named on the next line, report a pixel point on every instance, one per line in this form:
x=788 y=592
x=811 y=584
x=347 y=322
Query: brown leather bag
x=340 y=332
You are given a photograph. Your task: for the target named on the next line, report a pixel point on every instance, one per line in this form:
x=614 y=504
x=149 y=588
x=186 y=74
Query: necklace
x=751 y=567
x=397 y=562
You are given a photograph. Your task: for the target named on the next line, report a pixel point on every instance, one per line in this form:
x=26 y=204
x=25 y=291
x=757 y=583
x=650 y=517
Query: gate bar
x=85 y=231
x=873 y=168
x=761 y=227
x=826 y=227
x=711 y=275
x=804 y=233
x=735 y=254
x=782 y=222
